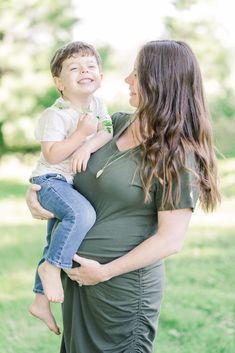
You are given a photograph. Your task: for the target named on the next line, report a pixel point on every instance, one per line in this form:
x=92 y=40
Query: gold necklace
x=108 y=163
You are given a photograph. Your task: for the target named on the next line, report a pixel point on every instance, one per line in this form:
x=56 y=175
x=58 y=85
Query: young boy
x=69 y=131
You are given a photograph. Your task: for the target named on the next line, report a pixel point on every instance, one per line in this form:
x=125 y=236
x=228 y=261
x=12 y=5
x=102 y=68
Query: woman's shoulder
x=119 y=119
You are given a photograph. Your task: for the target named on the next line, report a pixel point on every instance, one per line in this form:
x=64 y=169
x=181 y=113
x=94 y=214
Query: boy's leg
x=76 y=214
x=41 y=309
x=77 y=217
x=40 y=306
x=38 y=288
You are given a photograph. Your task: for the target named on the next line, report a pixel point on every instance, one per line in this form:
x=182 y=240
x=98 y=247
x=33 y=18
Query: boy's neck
x=82 y=103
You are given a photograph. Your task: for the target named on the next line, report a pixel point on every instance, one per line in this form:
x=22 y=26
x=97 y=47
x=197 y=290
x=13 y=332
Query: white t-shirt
x=57 y=123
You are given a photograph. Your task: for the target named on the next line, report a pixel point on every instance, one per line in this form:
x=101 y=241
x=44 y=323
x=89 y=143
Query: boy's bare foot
x=51 y=282
x=41 y=309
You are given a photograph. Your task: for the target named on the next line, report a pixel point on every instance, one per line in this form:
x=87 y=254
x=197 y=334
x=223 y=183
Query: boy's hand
x=87 y=124
x=80 y=158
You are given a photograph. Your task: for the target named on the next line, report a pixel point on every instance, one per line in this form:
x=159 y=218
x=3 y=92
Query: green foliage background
x=31 y=30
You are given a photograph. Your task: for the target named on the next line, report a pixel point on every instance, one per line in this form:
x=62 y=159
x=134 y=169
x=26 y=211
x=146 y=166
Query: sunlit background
x=199 y=311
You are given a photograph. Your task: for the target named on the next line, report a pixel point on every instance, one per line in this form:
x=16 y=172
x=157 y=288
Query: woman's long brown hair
x=174 y=122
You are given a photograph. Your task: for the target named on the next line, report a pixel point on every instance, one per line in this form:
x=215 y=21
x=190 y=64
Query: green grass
x=12 y=189
x=20 y=248
x=198 y=312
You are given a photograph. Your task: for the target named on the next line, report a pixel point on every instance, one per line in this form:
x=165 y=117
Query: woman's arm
x=167 y=241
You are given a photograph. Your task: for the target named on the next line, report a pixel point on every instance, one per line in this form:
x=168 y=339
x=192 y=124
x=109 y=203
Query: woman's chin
x=133 y=102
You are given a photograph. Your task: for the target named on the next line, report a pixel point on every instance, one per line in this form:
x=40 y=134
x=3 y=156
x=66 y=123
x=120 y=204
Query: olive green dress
x=119 y=315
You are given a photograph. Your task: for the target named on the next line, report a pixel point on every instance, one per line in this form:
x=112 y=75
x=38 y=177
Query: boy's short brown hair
x=69 y=50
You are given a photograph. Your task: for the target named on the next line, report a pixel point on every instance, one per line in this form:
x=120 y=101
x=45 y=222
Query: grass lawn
x=198 y=313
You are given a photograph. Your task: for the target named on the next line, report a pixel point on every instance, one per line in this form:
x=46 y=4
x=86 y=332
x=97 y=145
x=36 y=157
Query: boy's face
x=80 y=76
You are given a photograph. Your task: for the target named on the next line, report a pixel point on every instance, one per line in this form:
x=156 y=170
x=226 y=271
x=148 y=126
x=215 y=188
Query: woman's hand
x=89 y=273
x=34 y=206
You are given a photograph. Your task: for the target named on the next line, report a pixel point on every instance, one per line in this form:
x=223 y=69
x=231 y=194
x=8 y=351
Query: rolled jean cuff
x=38 y=291
x=58 y=264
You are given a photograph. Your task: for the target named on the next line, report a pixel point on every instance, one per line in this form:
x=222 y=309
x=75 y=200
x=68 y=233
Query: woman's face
x=132 y=81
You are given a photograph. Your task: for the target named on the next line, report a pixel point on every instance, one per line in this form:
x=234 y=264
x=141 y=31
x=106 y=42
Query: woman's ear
x=58 y=83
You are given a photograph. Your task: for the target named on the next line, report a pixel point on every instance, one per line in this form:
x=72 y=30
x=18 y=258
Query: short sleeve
x=50 y=126
x=119 y=120
x=189 y=190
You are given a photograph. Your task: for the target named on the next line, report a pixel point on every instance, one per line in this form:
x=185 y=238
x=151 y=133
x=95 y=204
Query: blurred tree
x=105 y=53
x=203 y=34
x=190 y=22
x=30 y=31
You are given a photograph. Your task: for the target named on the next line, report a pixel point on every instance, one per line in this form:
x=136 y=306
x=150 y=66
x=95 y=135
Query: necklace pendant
x=98 y=174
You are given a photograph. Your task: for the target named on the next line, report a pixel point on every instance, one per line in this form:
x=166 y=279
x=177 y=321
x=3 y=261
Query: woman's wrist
x=109 y=271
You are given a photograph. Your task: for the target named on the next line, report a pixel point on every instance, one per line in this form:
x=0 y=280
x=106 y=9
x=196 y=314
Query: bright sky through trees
x=124 y=24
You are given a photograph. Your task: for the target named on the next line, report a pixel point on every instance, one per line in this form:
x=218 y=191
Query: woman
x=144 y=185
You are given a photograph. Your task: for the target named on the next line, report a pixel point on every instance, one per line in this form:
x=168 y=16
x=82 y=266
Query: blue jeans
x=76 y=216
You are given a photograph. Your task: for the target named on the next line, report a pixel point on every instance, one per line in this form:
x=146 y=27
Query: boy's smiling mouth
x=85 y=80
